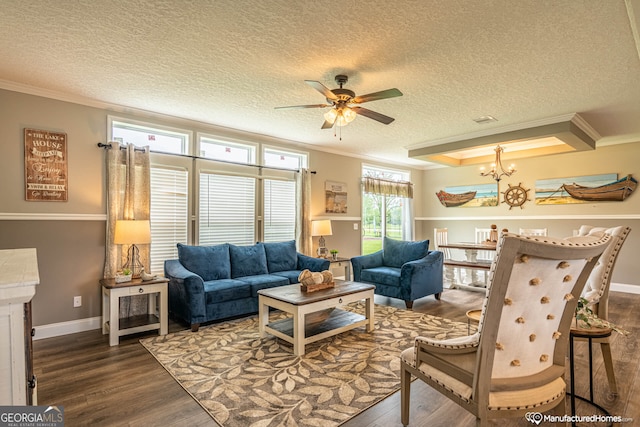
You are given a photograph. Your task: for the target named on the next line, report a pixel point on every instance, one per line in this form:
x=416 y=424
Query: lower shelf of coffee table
x=320 y=322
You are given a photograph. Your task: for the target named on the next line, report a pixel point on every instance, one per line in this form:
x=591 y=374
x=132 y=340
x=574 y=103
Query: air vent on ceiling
x=485 y=119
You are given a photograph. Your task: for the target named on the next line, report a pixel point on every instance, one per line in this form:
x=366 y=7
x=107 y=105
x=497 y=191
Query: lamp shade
x=321 y=227
x=132 y=232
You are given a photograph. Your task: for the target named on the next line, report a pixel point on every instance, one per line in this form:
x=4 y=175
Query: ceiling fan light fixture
x=340 y=116
x=331 y=115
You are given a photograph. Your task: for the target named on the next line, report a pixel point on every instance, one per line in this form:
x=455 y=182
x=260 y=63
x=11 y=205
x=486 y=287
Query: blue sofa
x=216 y=282
x=404 y=270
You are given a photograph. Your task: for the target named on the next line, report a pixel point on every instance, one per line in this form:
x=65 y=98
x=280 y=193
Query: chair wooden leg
x=195 y=327
x=409 y=304
x=560 y=411
x=438 y=295
x=405 y=394
x=608 y=365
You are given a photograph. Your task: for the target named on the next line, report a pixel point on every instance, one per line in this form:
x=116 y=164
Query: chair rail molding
x=23 y=216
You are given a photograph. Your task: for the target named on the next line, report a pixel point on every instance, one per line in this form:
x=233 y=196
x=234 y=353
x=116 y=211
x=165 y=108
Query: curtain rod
x=108 y=146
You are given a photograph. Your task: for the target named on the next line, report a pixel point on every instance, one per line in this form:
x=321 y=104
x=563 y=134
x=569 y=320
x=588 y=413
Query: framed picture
x=469 y=196
x=335 y=197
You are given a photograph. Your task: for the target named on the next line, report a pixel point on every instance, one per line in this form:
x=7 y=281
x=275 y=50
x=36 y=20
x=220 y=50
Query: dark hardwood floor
x=123 y=385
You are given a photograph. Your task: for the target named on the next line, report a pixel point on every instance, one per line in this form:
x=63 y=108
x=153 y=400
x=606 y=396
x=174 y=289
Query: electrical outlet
x=355 y=225
x=77 y=301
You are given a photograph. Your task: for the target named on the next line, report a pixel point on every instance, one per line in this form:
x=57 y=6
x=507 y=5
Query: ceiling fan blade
x=327 y=125
x=303 y=106
x=383 y=94
x=322 y=89
x=373 y=115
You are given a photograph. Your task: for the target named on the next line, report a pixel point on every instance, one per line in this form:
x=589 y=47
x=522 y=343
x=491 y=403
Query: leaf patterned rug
x=242 y=380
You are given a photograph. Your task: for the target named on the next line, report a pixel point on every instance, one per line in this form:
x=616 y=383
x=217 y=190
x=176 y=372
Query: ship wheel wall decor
x=516 y=196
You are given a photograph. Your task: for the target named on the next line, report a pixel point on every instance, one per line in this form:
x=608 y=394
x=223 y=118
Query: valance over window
x=387 y=187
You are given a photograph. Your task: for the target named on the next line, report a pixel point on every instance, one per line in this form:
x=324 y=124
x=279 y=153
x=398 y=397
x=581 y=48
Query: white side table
x=155 y=318
x=344 y=263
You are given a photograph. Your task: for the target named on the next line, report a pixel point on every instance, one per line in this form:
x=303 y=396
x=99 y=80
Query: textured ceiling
x=230 y=62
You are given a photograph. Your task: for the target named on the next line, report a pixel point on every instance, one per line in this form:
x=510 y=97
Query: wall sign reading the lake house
x=45 y=165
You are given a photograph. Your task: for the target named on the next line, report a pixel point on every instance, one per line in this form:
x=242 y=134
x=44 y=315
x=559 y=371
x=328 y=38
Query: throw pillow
x=208 y=262
x=281 y=256
x=248 y=260
x=398 y=252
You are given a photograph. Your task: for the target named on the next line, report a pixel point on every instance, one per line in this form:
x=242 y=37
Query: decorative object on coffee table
x=311 y=282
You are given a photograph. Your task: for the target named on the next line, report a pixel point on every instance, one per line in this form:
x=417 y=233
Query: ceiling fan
x=342 y=101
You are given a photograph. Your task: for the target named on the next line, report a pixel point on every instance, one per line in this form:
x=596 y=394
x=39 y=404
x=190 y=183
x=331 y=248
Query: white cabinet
x=18 y=279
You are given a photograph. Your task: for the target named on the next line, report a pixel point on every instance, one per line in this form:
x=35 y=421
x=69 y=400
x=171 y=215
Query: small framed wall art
x=45 y=166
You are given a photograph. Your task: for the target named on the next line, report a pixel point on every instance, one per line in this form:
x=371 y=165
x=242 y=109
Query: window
x=232 y=203
x=384 y=215
x=284 y=159
x=158 y=138
x=279 y=195
x=169 y=214
x=227 y=151
x=279 y=210
x=227 y=209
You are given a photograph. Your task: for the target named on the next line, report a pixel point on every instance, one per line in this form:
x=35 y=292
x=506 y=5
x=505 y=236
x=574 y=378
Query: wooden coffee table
x=315 y=315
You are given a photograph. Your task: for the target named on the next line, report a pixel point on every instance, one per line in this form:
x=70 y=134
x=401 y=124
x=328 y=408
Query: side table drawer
x=145 y=289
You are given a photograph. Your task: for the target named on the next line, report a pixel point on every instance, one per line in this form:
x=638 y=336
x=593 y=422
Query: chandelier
x=497 y=170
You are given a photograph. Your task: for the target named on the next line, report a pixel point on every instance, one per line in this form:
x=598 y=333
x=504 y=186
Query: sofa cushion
x=208 y=262
x=263 y=281
x=223 y=290
x=291 y=275
x=398 y=252
x=381 y=275
x=281 y=256
x=247 y=260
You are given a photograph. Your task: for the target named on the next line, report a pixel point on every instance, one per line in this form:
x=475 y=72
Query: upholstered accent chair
x=401 y=269
x=515 y=363
x=596 y=290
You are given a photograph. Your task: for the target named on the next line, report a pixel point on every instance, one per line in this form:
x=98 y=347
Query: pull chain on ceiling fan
x=342 y=102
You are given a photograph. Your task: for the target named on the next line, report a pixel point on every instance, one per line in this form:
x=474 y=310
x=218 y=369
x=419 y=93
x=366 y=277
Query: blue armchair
x=403 y=270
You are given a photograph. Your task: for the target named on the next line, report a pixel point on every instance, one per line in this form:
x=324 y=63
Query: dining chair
x=596 y=290
x=515 y=362
x=533 y=232
x=440 y=238
x=483 y=235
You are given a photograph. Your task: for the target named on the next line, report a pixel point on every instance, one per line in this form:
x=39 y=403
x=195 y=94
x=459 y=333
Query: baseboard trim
x=91 y=323
x=65 y=328
x=623 y=287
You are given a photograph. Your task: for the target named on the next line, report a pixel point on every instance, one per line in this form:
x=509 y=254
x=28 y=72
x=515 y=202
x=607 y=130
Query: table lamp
x=321 y=227
x=132 y=232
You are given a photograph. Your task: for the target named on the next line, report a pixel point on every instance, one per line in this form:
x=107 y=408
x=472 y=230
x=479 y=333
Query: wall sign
x=45 y=165
x=335 y=197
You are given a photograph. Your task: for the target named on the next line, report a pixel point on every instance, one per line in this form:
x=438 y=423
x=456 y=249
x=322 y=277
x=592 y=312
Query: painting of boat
x=450 y=200
x=615 y=191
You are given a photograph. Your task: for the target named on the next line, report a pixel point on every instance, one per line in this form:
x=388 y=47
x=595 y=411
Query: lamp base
x=133 y=261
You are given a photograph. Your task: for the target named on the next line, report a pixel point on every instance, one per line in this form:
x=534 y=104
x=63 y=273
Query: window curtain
x=402 y=189
x=303 y=217
x=387 y=187
x=128 y=197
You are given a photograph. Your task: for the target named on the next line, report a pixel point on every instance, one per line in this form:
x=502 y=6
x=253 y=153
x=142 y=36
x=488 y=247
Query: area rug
x=242 y=380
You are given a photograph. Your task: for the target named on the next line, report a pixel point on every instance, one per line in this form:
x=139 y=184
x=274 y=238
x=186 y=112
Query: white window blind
x=169 y=214
x=279 y=210
x=227 y=209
